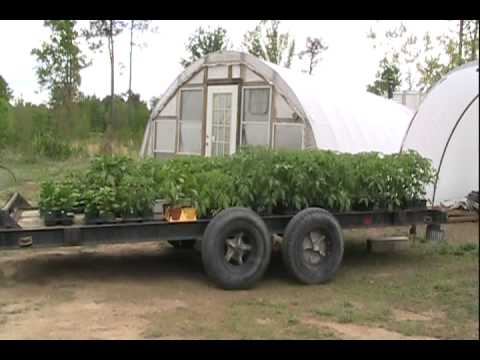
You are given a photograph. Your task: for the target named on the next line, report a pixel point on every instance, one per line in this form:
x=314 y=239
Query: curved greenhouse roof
x=445 y=130
x=334 y=117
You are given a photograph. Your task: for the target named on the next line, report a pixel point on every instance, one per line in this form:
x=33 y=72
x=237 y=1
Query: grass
x=426 y=280
x=30 y=175
x=30 y=172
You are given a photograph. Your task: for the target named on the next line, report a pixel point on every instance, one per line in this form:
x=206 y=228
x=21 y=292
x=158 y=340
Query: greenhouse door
x=221 y=129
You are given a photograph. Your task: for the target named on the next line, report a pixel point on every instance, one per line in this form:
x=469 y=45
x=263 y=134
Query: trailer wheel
x=312 y=247
x=236 y=248
x=182 y=244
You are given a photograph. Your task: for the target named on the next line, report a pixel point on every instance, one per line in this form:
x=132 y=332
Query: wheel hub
x=237 y=249
x=314 y=247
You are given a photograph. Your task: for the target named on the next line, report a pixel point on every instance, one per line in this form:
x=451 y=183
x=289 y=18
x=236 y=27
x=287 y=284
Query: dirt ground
x=153 y=291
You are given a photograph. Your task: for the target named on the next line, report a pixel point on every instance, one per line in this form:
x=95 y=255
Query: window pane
x=256 y=104
x=255 y=134
x=288 y=137
x=258 y=101
x=190 y=139
x=166 y=132
x=192 y=105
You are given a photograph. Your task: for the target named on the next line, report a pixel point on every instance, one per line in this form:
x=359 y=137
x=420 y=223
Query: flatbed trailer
x=236 y=244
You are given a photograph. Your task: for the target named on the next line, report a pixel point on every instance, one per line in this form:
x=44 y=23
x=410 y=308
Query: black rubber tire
x=227 y=222
x=300 y=226
x=182 y=244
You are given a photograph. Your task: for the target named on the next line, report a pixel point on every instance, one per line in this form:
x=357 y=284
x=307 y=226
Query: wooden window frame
x=268 y=123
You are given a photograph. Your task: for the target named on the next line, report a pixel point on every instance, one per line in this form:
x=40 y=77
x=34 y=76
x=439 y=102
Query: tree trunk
x=460 y=44
x=107 y=148
x=473 y=55
x=131 y=50
x=390 y=91
x=311 y=64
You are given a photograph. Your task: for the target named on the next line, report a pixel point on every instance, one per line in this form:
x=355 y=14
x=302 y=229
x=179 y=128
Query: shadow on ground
x=151 y=262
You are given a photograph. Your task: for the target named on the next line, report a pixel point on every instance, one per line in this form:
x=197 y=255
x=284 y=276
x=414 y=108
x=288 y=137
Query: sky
x=350 y=57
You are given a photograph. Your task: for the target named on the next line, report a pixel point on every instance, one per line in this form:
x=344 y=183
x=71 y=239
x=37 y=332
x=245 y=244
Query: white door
x=221 y=134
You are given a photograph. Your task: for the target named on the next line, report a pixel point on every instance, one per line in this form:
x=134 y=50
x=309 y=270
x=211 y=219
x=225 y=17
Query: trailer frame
x=13 y=236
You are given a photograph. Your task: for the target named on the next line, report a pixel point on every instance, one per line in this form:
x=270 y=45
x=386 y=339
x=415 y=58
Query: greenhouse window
x=288 y=136
x=165 y=132
x=190 y=122
x=255 y=125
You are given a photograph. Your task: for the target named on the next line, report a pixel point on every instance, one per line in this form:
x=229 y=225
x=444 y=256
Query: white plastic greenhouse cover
x=341 y=119
x=445 y=130
x=348 y=121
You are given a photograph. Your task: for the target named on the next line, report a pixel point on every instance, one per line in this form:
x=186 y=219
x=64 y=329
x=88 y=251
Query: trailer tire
x=313 y=259
x=182 y=244
x=236 y=248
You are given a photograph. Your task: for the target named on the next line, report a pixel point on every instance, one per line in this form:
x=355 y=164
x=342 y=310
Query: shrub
x=49 y=145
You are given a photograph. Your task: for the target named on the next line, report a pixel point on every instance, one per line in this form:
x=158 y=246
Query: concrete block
x=388 y=244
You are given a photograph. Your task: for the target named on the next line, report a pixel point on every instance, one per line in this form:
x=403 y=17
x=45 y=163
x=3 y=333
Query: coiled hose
x=10 y=172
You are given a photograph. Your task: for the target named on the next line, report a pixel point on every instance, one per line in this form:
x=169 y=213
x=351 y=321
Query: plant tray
x=99 y=220
x=58 y=220
x=136 y=219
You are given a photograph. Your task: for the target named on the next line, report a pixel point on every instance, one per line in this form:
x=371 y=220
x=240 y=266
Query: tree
x=135 y=26
x=456 y=48
x=313 y=48
x=266 y=42
x=60 y=62
x=153 y=102
x=100 y=30
x=203 y=42
x=401 y=47
x=388 y=79
x=5 y=91
x=471 y=40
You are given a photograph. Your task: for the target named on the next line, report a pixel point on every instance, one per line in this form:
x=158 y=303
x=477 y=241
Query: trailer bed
x=21 y=226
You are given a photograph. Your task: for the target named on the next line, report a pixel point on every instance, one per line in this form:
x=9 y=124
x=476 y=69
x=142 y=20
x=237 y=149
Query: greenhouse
x=445 y=130
x=230 y=99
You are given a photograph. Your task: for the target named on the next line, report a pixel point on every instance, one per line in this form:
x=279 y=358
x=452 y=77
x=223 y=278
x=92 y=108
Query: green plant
x=57 y=198
x=264 y=180
x=135 y=196
x=101 y=202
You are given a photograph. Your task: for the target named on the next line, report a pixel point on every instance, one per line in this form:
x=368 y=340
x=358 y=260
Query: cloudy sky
x=350 y=58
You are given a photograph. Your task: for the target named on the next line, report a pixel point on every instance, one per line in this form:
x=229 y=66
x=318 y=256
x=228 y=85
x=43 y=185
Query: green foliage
x=5 y=91
x=388 y=79
x=50 y=146
x=203 y=42
x=458 y=47
x=264 y=180
x=4 y=125
x=101 y=202
x=58 y=198
x=24 y=122
x=268 y=43
x=456 y=250
x=99 y=31
x=37 y=130
x=116 y=186
x=60 y=62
